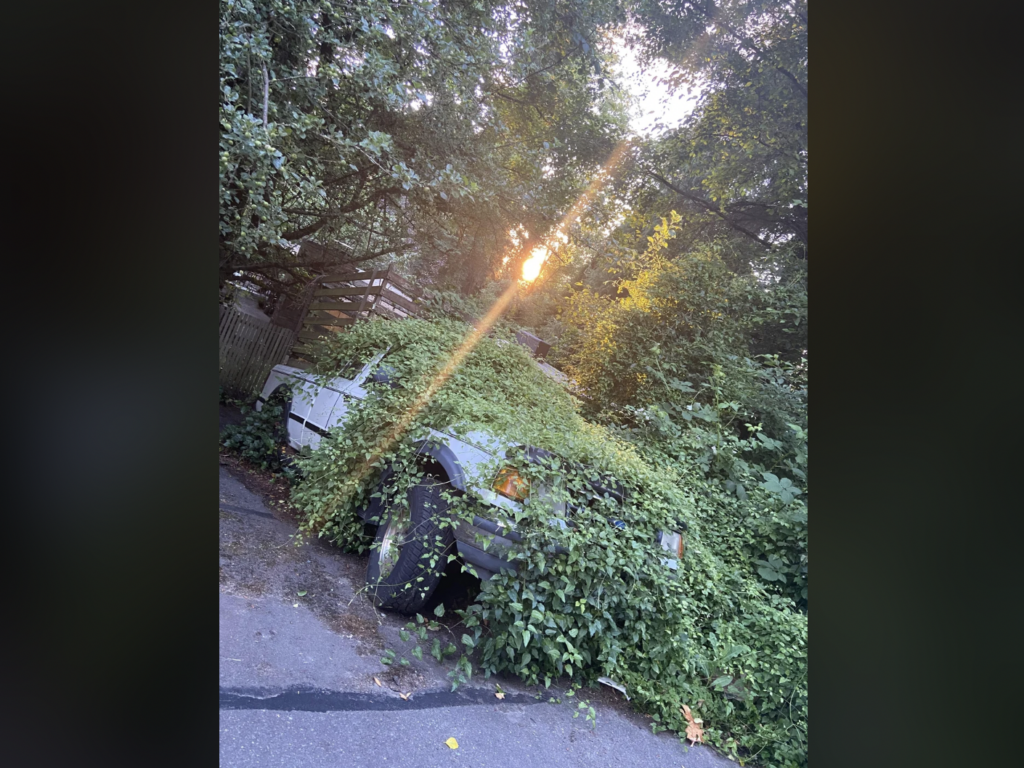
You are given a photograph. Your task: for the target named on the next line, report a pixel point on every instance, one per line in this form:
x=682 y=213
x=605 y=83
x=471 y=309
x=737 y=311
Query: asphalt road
x=297 y=675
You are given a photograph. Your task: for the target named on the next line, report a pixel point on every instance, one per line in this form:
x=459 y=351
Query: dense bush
x=718 y=635
x=670 y=366
x=260 y=437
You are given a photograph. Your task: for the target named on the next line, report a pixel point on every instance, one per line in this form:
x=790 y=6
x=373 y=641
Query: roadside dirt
x=273 y=489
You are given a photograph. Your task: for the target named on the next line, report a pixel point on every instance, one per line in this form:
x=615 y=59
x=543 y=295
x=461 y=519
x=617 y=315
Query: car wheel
x=411 y=550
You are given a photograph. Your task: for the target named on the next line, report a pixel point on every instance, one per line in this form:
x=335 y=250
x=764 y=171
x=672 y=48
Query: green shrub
x=715 y=635
x=260 y=437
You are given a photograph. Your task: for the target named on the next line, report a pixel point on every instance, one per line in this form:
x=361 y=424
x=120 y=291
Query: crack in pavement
x=233 y=508
x=309 y=699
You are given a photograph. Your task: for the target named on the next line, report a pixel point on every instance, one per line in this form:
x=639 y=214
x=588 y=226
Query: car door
x=353 y=391
x=311 y=409
x=319 y=419
x=303 y=397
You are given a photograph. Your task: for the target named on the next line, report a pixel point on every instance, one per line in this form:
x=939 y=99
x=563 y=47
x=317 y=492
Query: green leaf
x=439 y=611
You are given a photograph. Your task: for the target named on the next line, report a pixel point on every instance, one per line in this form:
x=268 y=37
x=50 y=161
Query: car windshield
x=351 y=369
x=354 y=367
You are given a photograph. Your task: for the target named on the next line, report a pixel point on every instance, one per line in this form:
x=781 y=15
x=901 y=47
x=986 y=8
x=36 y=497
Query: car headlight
x=511 y=484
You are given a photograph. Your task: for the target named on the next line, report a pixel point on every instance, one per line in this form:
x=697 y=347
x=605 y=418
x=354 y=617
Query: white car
x=312 y=408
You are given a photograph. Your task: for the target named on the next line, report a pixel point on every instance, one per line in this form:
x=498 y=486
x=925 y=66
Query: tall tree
x=368 y=129
x=742 y=158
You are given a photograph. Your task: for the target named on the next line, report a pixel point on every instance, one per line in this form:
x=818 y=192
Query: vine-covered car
x=448 y=463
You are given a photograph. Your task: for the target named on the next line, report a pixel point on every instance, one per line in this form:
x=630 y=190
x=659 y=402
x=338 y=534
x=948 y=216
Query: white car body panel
x=321 y=408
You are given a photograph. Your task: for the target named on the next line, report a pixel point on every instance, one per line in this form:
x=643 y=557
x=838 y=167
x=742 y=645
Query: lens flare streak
x=531 y=270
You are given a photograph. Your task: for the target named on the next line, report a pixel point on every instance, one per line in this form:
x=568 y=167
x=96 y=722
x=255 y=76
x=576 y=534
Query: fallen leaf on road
x=499 y=695
x=376 y=681
x=452 y=743
x=694 y=732
x=405 y=695
x=302 y=593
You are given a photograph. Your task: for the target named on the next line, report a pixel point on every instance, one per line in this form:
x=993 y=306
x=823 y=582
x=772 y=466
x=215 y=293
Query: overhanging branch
x=708 y=206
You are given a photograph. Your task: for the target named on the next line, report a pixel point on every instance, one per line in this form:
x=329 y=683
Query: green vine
x=709 y=634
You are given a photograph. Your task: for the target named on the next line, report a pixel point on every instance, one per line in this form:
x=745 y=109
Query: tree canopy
x=376 y=129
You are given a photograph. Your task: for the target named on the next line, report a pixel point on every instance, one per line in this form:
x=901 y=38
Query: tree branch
x=792 y=77
x=709 y=206
x=326 y=254
x=266 y=94
x=301 y=232
x=746 y=41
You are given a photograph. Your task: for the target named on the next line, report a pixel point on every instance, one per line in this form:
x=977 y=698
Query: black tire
x=411 y=549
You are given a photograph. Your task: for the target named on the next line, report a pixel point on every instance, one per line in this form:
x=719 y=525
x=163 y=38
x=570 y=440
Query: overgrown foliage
x=741 y=158
x=261 y=437
x=669 y=365
x=714 y=634
x=453 y=138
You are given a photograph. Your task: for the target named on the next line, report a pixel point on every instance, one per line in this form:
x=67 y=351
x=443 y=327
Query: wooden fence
x=248 y=350
x=335 y=302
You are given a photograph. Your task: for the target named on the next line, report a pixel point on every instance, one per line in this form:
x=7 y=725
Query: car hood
x=484 y=441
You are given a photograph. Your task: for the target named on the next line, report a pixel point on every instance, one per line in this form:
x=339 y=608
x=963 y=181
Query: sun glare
x=531 y=267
